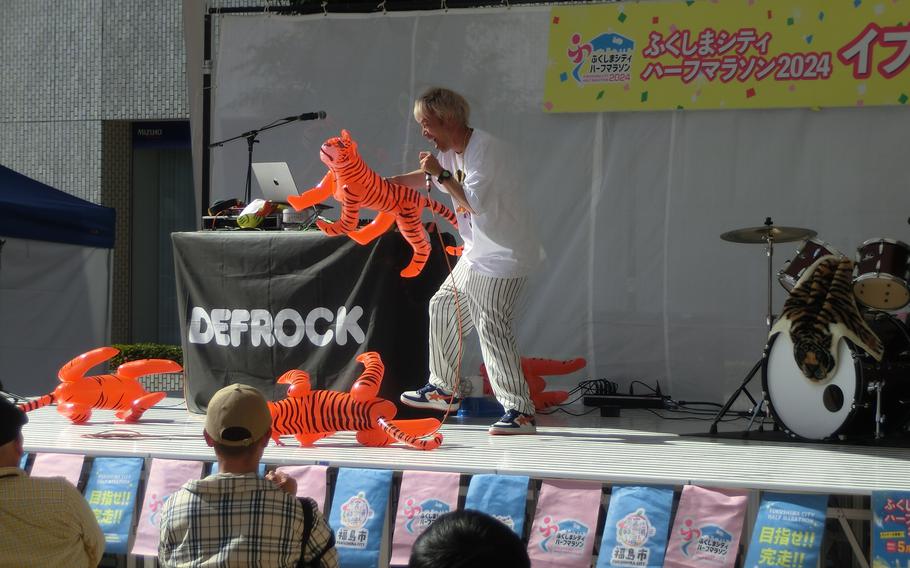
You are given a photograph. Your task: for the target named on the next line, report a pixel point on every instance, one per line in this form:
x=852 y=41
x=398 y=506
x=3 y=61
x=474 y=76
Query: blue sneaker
x=514 y=422
x=431 y=397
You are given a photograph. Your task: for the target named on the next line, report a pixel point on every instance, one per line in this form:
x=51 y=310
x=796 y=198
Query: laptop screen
x=275 y=181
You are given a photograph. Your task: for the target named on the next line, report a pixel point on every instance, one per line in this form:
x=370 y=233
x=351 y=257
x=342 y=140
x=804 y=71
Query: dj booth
x=255 y=304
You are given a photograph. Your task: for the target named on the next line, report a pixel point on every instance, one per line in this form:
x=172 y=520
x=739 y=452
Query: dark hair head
x=467 y=538
x=12 y=419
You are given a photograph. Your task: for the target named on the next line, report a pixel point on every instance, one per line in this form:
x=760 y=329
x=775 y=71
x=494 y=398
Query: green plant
x=136 y=351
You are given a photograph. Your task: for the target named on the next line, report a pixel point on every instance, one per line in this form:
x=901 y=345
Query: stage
x=638 y=447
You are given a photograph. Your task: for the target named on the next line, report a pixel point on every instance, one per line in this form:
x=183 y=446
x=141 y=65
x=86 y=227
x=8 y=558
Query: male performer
x=43 y=521
x=500 y=249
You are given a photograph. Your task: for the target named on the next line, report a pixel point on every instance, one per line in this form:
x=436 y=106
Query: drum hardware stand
x=768 y=234
x=756 y=405
x=879 y=419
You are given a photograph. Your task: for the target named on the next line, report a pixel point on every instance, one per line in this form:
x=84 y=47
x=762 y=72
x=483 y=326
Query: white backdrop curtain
x=54 y=305
x=630 y=206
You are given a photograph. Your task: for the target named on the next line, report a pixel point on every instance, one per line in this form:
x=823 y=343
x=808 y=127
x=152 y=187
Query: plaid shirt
x=45 y=522
x=239 y=520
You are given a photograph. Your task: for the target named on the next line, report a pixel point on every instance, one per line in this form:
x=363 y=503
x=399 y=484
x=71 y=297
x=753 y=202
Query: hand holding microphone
x=431 y=167
x=429 y=163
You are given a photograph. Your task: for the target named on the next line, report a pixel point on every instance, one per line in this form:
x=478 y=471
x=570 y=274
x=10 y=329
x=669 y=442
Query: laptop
x=275 y=181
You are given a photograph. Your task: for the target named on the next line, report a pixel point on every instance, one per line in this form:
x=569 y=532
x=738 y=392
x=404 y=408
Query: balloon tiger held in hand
x=309 y=415
x=77 y=394
x=820 y=311
x=356 y=186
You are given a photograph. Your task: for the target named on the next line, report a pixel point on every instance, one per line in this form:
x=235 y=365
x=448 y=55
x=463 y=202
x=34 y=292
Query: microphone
x=429 y=179
x=318 y=115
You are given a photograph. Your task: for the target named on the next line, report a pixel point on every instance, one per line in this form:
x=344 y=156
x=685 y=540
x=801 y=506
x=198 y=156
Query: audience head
x=12 y=419
x=467 y=538
x=237 y=421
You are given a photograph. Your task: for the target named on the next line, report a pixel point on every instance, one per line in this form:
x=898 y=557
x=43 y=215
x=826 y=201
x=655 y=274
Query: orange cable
x=457 y=317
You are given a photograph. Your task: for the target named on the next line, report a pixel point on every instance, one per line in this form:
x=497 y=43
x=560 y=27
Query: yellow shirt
x=45 y=522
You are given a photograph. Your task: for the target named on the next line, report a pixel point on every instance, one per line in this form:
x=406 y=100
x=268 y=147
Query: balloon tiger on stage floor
x=534 y=369
x=77 y=394
x=310 y=415
x=356 y=186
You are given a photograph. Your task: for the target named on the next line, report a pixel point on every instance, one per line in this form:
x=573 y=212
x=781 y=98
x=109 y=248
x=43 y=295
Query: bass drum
x=841 y=406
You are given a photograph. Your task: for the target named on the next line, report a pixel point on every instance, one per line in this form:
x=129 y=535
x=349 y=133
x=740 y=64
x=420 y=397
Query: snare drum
x=882 y=273
x=810 y=251
x=842 y=405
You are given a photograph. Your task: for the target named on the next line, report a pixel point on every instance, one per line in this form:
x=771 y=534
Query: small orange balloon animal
x=533 y=368
x=309 y=415
x=77 y=394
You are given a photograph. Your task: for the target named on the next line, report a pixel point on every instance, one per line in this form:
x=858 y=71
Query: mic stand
x=250 y=137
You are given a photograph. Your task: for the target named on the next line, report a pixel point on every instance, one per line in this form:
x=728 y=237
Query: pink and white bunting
x=707 y=528
x=67 y=466
x=165 y=477
x=423 y=497
x=565 y=524
x=311 y=481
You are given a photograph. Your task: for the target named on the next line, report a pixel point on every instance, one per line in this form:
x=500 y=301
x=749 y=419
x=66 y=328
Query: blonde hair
x=444 y=104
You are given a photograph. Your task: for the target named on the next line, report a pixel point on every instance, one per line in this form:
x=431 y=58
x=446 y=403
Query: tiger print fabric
x=356 y=186
x=310 y=415
x=820 y=311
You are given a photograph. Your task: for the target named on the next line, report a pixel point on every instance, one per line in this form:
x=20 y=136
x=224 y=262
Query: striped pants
x=486 y=304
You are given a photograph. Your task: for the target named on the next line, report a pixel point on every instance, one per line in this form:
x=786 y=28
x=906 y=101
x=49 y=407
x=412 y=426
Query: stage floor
x=637 y=447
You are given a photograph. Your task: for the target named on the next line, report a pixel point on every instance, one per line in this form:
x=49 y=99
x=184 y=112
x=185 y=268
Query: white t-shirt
x=499 y=239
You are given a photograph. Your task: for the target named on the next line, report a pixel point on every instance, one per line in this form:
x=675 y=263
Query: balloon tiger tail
x=37 y=403
x=412 y=433
x=391 y=427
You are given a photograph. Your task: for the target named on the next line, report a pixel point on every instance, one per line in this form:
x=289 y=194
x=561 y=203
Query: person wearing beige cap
x=234 y=518
x=43 y=522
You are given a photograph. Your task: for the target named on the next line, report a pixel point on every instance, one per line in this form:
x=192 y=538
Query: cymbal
x=766 y=233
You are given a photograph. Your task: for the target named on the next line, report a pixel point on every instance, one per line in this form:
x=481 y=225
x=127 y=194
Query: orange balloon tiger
x=310 y=415
x=534 y=369
x=77 y=394
x=356 y=186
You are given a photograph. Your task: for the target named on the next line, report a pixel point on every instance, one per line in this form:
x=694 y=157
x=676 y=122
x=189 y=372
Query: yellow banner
x=710 y=54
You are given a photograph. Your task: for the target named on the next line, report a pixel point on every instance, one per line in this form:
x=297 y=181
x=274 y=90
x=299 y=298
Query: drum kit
x=862 y=397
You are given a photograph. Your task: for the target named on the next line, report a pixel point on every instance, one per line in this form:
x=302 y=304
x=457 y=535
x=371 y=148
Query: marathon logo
x=288 y=327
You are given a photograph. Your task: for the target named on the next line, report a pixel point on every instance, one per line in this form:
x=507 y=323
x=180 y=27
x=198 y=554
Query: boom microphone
x=318 y=115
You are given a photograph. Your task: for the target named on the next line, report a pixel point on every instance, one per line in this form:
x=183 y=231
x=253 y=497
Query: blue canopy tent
x=30 y=209
x=55 y=281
